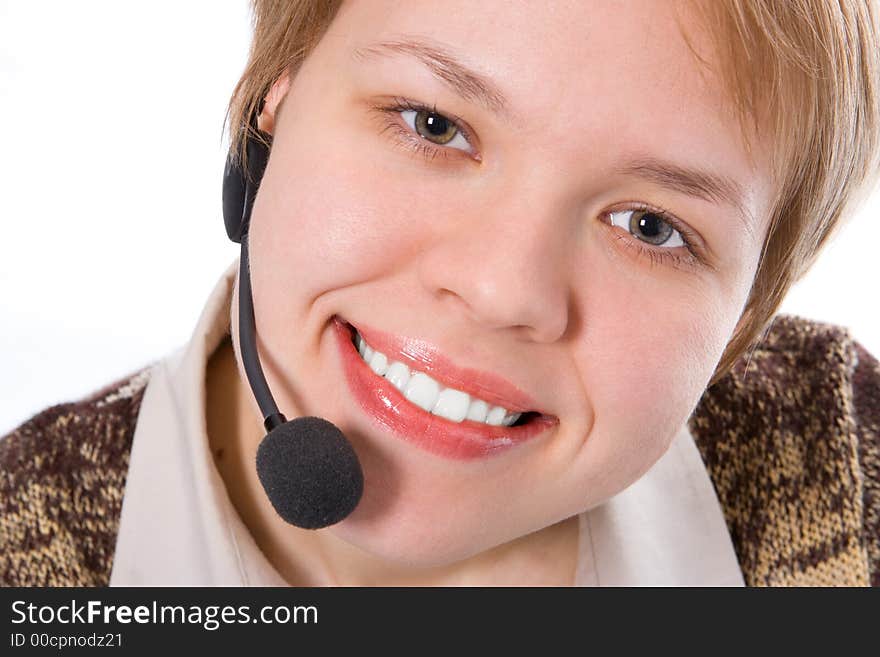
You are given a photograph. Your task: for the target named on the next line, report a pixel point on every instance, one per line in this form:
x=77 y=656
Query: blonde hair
x=805 y=74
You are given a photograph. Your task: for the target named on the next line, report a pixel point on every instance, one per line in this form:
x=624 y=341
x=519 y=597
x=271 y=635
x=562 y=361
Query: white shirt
x=178 y=526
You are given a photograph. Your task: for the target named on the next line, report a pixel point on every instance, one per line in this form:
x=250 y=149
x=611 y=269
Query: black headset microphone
x=307 y=467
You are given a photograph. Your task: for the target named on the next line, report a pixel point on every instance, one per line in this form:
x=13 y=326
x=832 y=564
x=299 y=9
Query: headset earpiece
x=309 y=470
x=240 y=186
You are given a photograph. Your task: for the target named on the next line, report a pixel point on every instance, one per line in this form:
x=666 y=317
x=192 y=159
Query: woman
x=524 y=257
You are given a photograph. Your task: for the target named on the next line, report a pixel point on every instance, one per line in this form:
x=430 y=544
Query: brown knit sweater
x=790 y=438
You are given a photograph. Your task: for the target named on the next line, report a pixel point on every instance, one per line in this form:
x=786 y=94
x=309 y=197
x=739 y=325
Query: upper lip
x=428 y=358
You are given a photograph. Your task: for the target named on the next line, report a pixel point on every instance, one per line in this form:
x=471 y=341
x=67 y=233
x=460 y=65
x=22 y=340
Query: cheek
x=314 y=222
x=647 y=354
x=326 y=222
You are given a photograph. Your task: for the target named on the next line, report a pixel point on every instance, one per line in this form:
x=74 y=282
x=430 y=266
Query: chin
x=417 y=541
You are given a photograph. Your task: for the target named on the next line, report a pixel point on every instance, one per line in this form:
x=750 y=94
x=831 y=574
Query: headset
x=308 y=468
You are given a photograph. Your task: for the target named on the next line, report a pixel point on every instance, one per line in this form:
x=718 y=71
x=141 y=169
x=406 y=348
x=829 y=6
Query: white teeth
x=428 y=394
x=496 y=415
x=510 y=418
x=477 y=410
x=422 y=391
x=398 y=375
x=379 y=363
x=452 y=404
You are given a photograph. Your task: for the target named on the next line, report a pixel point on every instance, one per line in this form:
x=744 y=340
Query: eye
x=436 y=128
x=648 y=226
x=424 y=130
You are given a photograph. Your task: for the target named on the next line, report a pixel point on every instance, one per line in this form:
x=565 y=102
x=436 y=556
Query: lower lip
x=387 y=407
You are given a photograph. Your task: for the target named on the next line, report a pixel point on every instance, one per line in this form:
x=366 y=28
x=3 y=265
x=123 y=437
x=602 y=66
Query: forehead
x=604 y=77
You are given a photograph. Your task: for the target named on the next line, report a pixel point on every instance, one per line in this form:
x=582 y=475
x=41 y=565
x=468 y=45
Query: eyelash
x=416 y=142
x=658 y=255
x=421 y=146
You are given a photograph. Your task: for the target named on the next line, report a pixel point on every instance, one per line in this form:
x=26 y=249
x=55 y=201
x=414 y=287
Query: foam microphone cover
x=310 y=472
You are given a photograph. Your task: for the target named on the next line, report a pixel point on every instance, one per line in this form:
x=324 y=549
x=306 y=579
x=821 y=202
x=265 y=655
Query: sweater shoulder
x=866 y=407
x=62 y=479
x=789 y=437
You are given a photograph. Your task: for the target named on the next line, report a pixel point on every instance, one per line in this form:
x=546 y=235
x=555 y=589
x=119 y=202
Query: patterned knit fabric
x=62 y=476
x=790 y=438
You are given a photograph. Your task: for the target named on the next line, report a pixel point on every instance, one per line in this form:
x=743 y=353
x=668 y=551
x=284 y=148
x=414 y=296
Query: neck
x=318 y=558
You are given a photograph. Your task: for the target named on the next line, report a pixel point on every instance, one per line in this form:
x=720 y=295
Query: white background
x=110 y=174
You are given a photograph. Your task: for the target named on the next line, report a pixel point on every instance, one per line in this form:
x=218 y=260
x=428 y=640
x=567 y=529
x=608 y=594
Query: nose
x=506 y=267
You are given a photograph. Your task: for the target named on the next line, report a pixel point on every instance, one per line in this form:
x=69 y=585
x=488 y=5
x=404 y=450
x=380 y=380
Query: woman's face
x=571 y=227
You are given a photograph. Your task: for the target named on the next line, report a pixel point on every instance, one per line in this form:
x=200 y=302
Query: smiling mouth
x=466 y=408
x=391 y=409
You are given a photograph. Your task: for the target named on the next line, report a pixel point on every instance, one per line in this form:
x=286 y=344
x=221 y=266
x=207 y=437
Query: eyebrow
x=446 y=66
x=473 y=86
x=692 y=182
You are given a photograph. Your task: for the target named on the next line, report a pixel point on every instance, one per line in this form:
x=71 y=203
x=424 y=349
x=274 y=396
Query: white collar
x=666 y=529
x=179 y=528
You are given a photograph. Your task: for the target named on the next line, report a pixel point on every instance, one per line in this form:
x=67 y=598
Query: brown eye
x=435 y=128
x=648 y=227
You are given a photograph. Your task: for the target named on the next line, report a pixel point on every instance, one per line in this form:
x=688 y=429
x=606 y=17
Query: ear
x=266 y=119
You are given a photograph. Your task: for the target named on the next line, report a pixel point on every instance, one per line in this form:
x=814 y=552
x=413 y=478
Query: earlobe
x=266 y=119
